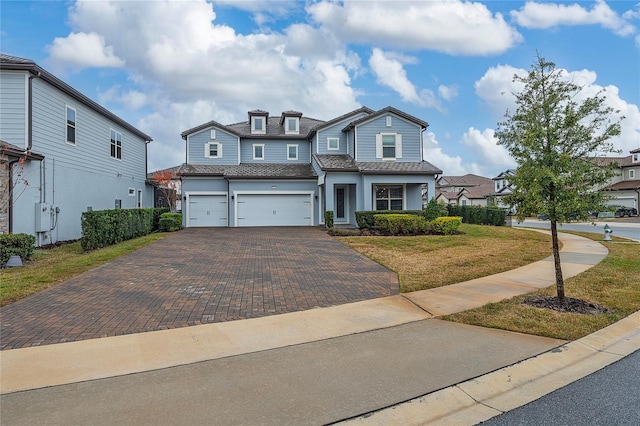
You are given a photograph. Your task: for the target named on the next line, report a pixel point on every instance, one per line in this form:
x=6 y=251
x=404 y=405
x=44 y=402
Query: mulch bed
x=576 y=306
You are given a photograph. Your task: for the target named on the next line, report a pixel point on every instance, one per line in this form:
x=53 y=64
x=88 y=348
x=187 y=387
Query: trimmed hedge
x=102 y=228
x=446 y=225
x=328 y=218
x=22 y=245
x=478 y=215
x=365 y=218
x=401 y=224
x=170 y=222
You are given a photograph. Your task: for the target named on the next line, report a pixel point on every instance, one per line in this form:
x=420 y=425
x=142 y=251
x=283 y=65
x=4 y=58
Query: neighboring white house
x=64 y=155
x=624 y=188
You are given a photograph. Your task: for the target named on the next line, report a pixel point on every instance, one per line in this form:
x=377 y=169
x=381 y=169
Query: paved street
x=627 y=228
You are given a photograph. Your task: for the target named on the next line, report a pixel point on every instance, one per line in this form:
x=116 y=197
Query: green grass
x=613 y=283
x=51 y=266
x=429 y=261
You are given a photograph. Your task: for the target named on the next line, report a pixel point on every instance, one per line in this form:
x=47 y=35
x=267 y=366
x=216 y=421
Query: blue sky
x=168 y=66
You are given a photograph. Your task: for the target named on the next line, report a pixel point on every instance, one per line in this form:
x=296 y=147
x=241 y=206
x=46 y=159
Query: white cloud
x=550 y=15
x=450 y=165
x=447 y=92
x=83 y=50
x=131 y=99
x=496 y=88
x=389 y=71
x=484 y=147
x=453 y=27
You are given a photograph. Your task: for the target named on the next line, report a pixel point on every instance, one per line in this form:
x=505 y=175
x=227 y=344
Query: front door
x=342 y=205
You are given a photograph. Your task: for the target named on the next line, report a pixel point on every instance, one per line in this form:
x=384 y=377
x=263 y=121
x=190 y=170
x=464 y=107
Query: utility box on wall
x=43 y=217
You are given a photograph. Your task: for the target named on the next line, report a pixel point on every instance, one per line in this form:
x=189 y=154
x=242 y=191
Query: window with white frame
x=636 y=158
x=632 y=174
x=258 y=151
x=213 y=134
x=389 y=197
x=132 y=192
x=388 y=121
x=292 y=125
x=292 y=152
x=71 y=125
x=388 y=146
x=116 y=145
x=333 y=144
x=258 y=125
x=213 y=150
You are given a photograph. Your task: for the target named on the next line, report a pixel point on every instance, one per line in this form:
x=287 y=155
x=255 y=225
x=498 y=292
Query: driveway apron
x=197 y=276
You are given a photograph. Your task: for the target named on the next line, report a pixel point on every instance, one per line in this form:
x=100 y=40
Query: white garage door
x=274 y=210
x=207 y=210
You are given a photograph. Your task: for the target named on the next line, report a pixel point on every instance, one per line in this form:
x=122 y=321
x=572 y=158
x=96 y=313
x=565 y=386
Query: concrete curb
x=482 y=398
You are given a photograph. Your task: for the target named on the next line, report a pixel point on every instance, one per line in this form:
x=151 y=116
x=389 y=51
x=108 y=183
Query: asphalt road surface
x=620 y=229
x=610 y=396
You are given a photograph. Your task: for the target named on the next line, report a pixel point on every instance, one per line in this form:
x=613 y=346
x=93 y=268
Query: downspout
x=10 y=194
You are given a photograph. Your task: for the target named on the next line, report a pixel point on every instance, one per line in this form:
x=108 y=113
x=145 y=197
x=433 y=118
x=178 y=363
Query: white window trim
x=213 y=134
x=207 y=150
x=253 y=147
x=388 y=121
x=329 y=144
x=132 y=192
x=116 y=150
x=635 y=158
x=288 y=131
x=380 y=150
x=67 y=125
x=632 y=174
x=288 y=147
x=264 y=125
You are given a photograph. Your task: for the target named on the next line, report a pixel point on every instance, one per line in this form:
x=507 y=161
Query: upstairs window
x=258 y=125
x=333 y=144
x=388 y=121
x=71 y=125
x=116 y=145
x=292 y=125
x=632 y=174
x=636 y=158
x=213 y=150
x=389 y=197
x=292 y=152
x=388 y=146
x=258 y=151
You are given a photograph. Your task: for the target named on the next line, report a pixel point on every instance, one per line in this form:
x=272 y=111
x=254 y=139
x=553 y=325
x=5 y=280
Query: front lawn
x=430 y=261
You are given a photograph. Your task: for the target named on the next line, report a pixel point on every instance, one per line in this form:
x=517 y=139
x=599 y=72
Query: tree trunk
x=556 y=261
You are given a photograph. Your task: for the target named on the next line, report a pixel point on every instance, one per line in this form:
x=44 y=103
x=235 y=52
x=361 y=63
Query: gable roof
x=8 y=62
x=331 y=162
x=343 y=117
x=423 y=124
x=465 y=180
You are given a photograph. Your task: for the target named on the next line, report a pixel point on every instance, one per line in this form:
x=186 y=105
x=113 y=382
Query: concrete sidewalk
x=317 y=366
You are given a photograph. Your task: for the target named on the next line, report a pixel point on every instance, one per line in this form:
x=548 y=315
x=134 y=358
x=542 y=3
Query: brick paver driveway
x=197 y=276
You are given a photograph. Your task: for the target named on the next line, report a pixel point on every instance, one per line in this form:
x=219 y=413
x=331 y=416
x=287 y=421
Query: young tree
x=164 y=179
x=554 y=135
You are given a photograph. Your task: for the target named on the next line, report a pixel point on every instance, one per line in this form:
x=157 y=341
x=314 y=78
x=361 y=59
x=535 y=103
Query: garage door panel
x=274 y=210
x=207 y=210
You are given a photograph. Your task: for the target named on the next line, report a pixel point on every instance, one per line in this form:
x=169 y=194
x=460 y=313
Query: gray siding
x=335 y=131
x=75 y=177
x=13 y=108
x=196 y=147
x=366 y=133
x=275 y=151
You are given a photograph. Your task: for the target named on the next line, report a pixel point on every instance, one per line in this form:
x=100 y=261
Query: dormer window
x=258 y=125
x=292 y=125
x=636 y=158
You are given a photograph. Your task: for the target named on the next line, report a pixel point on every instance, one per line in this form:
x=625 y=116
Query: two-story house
x=502 y=188
x=466 y=190
x=63 y=154
x=624 y=189
x=288 y=170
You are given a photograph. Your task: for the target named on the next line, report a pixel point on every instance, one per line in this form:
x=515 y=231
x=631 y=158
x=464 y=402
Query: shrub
x=365 y=218
x=478 y=215
x=446 y=225
x=22 y=245
x=170 y=222
x=401 y=224
x=434 y=209
x=101 y=228
x=157 y=212
x=328 y=218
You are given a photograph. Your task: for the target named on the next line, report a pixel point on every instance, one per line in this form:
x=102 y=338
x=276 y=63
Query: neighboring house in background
x=79 y=156
x=502 y=188
x=624 y=188
x=467 y=190
x=160 y=196
x=288 y=170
